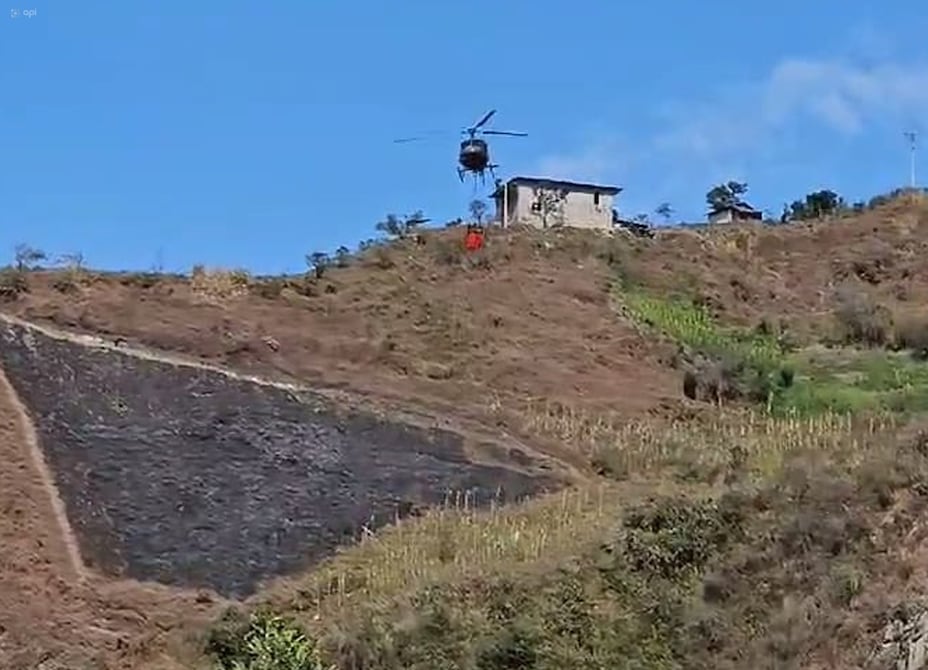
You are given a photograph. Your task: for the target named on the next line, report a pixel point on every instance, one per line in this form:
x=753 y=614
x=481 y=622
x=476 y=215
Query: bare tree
x=73 y=261
x=478 y=210
x=664 y=210
x=549 y=203
x=27 y=256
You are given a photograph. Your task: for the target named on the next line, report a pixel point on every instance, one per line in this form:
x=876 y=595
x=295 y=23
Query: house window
x=596 y=199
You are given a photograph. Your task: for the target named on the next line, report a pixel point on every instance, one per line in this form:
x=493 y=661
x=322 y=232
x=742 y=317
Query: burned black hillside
x=191 y=477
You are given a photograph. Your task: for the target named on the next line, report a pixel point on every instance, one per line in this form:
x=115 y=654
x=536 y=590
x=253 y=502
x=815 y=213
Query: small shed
x=546 y=203
x=735 y=213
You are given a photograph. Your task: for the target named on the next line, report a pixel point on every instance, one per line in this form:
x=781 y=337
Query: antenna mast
x=912 y=137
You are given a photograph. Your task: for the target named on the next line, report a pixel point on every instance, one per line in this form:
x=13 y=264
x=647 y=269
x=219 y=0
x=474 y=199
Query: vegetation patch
x=853 y=380
x=693 y=326
x=733 y=363
x=723 y=363
x=264 y=641
x=754 y=573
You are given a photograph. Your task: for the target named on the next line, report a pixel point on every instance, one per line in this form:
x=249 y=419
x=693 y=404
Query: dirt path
x=95 y=342
x=35 y=482
x=43 y=587
x=39 y=564
x=54 y=613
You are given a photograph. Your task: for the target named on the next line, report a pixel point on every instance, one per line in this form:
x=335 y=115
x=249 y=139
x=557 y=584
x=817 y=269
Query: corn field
x=458 y=539
x=694 y=327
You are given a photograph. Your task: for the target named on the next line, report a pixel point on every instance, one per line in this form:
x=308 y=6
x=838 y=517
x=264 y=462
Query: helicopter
x=474 y=153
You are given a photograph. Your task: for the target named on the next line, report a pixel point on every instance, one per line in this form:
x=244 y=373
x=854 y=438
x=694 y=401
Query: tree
x=785 y=214
x=73 y=261
x=549 y=203
x=392 y=226
x=398 y=228
x=342 y=256
x=726 y=195
x=318 y=262
x=664 y=210
x=27 y=256
x=478 y=209
x=816 y=205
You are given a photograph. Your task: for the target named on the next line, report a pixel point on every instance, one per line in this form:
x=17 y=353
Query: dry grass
x=646 y=446
x=461 y=550
x=458 y=539
x=217 y=284
x=451 y=542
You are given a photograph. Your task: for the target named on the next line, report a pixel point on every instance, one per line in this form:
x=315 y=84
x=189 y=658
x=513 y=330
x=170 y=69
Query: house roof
x=741 y=207
x=544 y=182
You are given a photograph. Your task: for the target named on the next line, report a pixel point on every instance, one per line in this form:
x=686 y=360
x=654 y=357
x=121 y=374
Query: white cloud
x=840 y=97
x=598 y=160
x=750 y=129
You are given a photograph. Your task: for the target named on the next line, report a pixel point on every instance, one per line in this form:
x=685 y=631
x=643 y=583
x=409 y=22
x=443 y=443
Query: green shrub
x=265 y=642
x=675 y=536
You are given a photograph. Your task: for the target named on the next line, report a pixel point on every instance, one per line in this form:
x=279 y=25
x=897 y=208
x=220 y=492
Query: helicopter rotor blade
x=432 y=134
x=485 y=118
x=504 y=132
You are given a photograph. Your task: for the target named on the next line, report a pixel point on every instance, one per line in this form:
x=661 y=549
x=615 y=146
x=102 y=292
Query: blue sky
x=250 y=133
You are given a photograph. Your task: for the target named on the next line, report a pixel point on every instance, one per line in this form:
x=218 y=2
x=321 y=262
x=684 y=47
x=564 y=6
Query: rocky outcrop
x=905 y=641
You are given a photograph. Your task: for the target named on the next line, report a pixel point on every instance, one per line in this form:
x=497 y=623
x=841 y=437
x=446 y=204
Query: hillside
x=771 y=519
x=528 y=323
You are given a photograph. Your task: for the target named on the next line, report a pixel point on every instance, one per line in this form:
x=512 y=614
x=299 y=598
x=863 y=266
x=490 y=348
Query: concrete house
x=735 y=213
x=546 y=203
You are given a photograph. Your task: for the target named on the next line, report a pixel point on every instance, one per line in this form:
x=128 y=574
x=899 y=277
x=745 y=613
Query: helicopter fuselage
x=474 y=155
